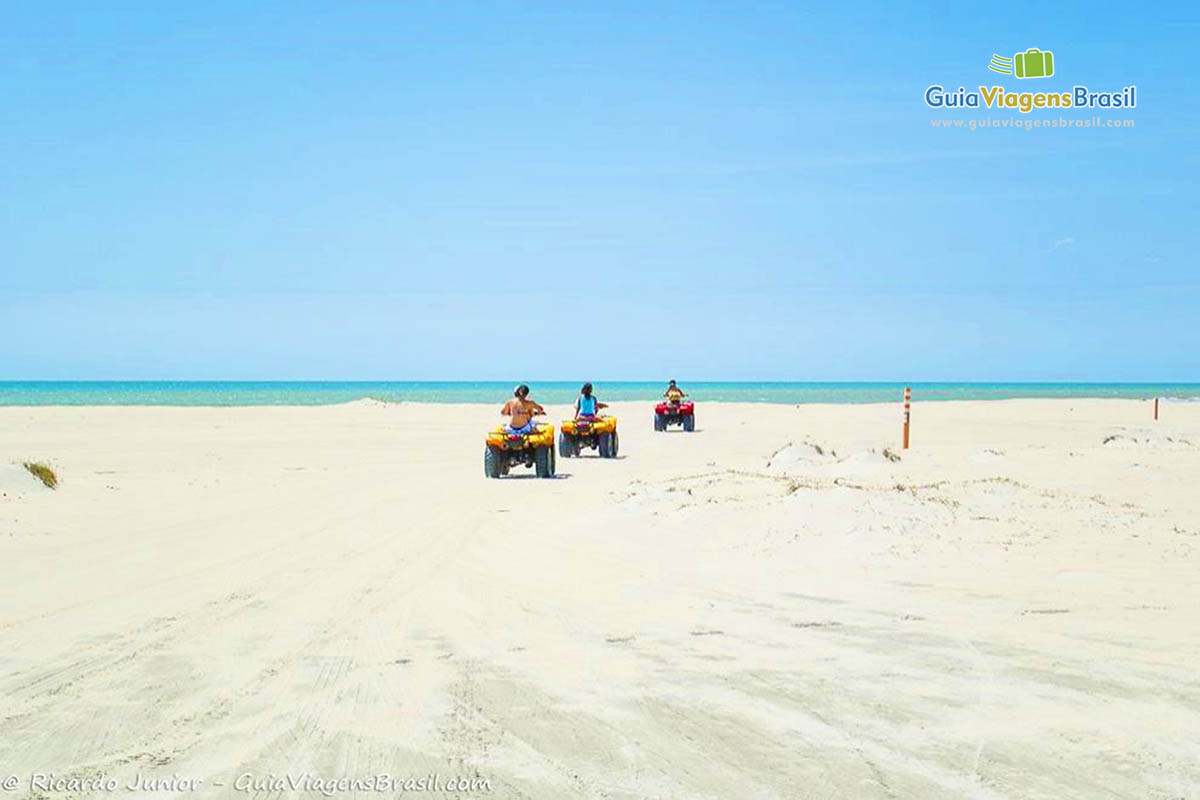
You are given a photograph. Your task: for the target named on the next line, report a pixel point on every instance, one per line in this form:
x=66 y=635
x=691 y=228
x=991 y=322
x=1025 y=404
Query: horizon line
x=781 y=382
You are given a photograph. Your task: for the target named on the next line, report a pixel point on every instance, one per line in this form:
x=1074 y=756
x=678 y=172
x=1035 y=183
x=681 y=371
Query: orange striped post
x=1156 y=409
x=907 y=413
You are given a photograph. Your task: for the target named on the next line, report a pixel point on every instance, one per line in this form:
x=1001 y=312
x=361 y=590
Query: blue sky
x=617 y=190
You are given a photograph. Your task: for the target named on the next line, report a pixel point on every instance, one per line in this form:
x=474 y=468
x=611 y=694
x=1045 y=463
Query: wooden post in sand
x=1156 y=409
x=907 y=413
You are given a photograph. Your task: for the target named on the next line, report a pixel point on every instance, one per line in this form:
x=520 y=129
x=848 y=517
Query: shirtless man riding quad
x=521 y=410
x=521 y=441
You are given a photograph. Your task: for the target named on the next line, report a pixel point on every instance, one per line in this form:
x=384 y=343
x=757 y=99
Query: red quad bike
x=678 y=413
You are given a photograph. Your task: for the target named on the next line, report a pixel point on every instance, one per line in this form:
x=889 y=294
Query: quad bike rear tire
x=543 y=462
x=689 y=423
x=660 y=422
x=491 y=463
x=614 y=445
x=566 y=447
x=605 y=442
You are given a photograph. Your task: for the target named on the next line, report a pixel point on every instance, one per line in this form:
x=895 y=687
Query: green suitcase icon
x=1034 y=63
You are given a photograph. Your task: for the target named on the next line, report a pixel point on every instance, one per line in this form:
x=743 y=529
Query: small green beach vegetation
x=43 y=473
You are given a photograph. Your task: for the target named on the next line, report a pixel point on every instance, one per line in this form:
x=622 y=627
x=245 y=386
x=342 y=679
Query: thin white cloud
x=1064 y=242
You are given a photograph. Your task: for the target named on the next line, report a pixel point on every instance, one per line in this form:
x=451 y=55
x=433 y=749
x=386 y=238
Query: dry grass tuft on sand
x=43 y=473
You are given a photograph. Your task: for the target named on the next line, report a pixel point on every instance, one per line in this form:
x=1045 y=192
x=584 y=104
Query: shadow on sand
x=530 y=476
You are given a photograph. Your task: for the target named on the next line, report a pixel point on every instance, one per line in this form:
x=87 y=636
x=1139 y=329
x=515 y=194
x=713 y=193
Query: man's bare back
x=521 y=411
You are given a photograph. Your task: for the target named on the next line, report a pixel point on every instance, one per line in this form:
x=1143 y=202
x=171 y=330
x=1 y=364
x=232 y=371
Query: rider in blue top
x=586 y=405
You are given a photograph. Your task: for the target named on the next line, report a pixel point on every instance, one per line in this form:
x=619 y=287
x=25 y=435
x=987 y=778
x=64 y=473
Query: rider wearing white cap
x=522 y=410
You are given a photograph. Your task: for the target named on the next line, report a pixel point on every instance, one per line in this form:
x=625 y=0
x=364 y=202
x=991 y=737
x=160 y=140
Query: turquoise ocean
x=311 y=393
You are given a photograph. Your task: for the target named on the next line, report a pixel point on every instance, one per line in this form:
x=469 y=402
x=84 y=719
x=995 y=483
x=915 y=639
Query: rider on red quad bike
x=674 y=411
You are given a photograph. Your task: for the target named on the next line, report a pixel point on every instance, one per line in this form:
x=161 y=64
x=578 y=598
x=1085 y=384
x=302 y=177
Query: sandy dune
x=772 y=607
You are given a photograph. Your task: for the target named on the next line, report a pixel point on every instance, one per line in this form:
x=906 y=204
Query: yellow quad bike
x=599 y=433
x=506 y=450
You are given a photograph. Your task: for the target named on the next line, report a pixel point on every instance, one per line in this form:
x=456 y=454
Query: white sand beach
x=770 y=607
